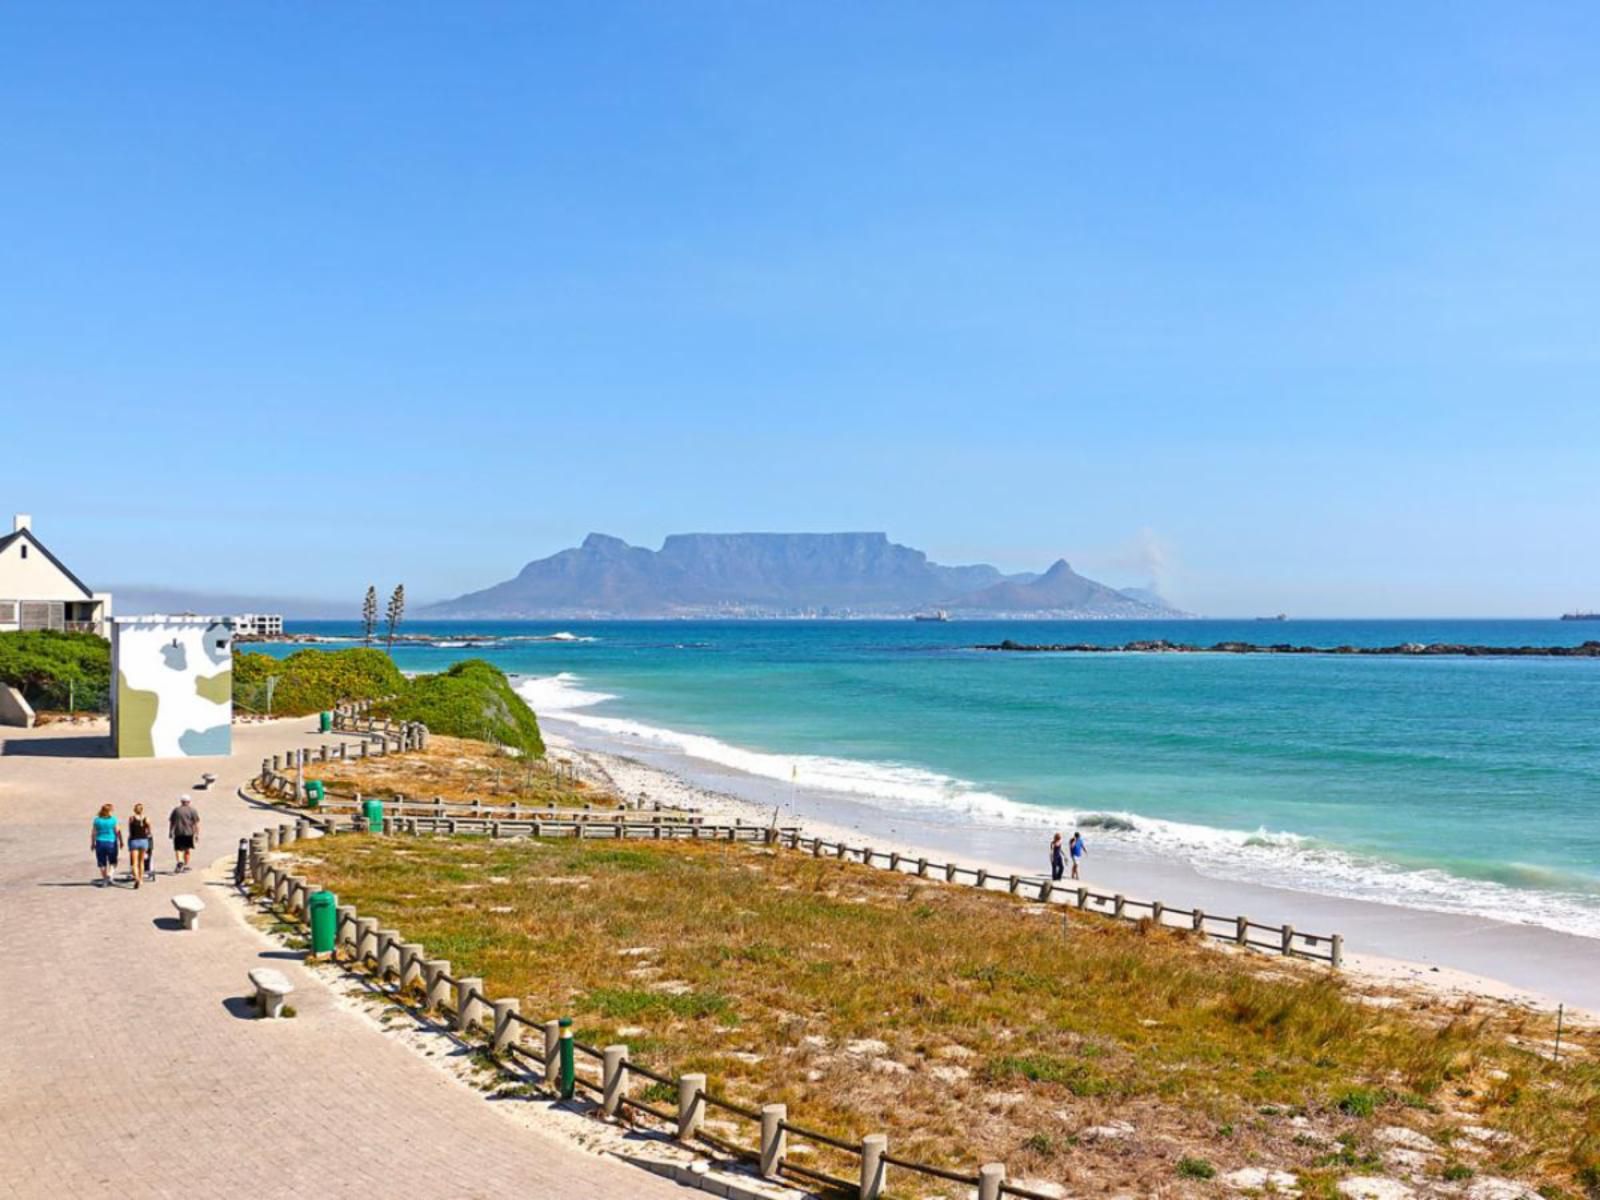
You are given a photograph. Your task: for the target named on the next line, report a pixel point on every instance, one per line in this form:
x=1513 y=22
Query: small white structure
x=172 y=686
x=38 y=592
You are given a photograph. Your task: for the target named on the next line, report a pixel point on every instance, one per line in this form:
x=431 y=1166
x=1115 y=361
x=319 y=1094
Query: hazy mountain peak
x=776 y=574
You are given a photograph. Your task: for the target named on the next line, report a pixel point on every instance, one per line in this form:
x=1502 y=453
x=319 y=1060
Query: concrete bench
x=189 y=909
x=271 y=988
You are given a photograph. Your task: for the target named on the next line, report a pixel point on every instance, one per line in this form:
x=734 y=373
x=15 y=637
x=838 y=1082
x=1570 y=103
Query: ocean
x=1458 y=785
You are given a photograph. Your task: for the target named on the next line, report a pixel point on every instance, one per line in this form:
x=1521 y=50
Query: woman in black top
x=138 y=842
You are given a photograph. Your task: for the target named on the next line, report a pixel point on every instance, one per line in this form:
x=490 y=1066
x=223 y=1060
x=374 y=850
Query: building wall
x=172 y=689
x=33 y=577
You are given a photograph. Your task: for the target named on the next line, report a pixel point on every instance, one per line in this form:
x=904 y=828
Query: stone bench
x=189 y=909
x=271 y=988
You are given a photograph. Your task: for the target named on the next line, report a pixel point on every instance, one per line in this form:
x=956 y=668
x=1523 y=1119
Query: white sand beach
x=1385 y=944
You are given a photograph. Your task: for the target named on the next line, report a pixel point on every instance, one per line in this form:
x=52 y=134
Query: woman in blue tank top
x=104 y=841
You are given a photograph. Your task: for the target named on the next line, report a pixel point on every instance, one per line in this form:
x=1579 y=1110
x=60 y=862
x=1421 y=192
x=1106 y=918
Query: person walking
x=104 y=840
x=183 y=826
x=1077 y=849
x=1058 y=862
x=138 y=844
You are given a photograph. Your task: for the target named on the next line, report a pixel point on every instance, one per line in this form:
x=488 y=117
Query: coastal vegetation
x=978 y=1027
x=460 y=770
x=312 y=680
x=473 y=699
x=56 y=670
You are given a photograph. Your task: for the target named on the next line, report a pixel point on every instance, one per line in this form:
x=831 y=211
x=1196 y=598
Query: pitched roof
x=45 y=550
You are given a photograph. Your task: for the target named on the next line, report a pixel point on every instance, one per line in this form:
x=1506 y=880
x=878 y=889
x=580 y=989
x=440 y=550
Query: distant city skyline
x=1280 y=309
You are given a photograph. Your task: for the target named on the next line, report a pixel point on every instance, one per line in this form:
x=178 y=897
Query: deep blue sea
x=1454 y=784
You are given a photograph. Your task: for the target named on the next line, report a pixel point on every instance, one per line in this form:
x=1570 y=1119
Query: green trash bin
x=315 y=793
x=327 y=722
x=324 y=907
x=373 y=811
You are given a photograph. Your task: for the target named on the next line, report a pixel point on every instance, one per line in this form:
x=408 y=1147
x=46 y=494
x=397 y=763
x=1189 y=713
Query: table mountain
x=780 y=574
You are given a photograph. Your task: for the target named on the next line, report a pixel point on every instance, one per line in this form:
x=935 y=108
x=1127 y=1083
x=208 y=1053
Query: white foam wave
x=1275 y=857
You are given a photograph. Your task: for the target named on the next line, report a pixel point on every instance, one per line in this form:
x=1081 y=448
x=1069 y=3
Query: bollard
x=774 y=1139
x=949 y=872
x=1156 y=909
x=468 y=1006
x=1242 y=931
x=344 y=927
x=285 y=835
x=843 y=850
x=552 y=1051
x=272 y=837
x=1288 y=939
x=410 y=963
x=241 y=865
x=434 y=971
x=873 y=1169
x=922 y=868
x=298 y=895
x=1199 y=920
x=1045 y=890
x=894 y=860
x=691 y=1106
x=507 y=1031
x=1119 y=903
x=280 y=889
x=366 y=939
x=1338 y=950
x=389 y=960
x=569 y=1066
x=991 y=1178
x=983 y=879
x=1083 y=897
x=613 y=1079
x=302 y=829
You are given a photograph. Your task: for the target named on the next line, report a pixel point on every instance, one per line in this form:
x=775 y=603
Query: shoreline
x=1386 y=945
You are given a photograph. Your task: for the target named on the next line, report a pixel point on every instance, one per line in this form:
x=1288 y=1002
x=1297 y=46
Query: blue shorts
x=105 y=854
x=139 y=844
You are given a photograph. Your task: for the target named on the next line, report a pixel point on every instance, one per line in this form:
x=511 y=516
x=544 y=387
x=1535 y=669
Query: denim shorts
x=139 y=844
x=105 y=854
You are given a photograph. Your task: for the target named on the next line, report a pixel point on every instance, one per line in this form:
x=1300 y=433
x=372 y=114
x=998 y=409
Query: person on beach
x=183 y=826
x=1058 y=862
x=1077 y=849
x=104 y=840
x=138 y=844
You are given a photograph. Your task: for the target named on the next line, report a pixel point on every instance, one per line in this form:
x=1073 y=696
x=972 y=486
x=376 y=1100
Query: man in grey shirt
x=183 y=826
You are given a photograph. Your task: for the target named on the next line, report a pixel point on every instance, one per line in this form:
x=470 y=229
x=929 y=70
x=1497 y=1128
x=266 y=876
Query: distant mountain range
x=785 y=574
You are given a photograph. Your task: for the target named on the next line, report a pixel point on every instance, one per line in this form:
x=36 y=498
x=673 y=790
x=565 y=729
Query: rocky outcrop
x=1411 y=649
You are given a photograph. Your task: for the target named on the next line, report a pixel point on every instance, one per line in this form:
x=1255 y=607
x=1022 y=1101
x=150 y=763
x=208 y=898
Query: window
x=24 y=549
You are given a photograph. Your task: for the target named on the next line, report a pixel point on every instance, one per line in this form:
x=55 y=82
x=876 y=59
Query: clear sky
x=1295 y=306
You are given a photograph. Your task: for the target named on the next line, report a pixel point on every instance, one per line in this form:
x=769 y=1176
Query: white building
x=264 y=625
x=38 y=592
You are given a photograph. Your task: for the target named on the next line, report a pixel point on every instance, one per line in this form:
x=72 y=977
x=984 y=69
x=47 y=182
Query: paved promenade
x=127 y=1065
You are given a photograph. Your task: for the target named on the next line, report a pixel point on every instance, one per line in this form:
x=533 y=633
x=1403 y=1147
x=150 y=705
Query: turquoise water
x=1461 y=785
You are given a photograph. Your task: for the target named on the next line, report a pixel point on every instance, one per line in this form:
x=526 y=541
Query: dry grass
x=1005 y=1034
x=459 y=769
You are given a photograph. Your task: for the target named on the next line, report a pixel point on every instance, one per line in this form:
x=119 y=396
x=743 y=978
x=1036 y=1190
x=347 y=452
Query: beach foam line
x=1274 y=857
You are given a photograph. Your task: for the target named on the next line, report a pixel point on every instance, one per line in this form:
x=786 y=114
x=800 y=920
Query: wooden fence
x=549 y=1051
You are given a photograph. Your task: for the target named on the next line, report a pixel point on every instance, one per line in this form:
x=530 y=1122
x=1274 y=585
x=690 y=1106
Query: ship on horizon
x=937 y=614
x=1581 y=616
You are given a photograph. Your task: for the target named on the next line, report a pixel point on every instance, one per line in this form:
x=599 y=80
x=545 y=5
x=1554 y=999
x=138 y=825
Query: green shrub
x=41 y=664
x=312 y=680
x=473 y=699
x=1358 y=1102
x=1195 y=1168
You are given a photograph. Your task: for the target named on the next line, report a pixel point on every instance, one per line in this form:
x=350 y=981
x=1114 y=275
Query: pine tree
x=369 y=613
x=397 y=610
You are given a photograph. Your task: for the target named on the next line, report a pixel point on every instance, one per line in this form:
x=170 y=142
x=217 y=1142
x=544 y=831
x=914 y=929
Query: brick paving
x=126 y=1065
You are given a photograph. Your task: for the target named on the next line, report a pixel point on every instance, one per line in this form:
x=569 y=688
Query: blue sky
x=1293 y=307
